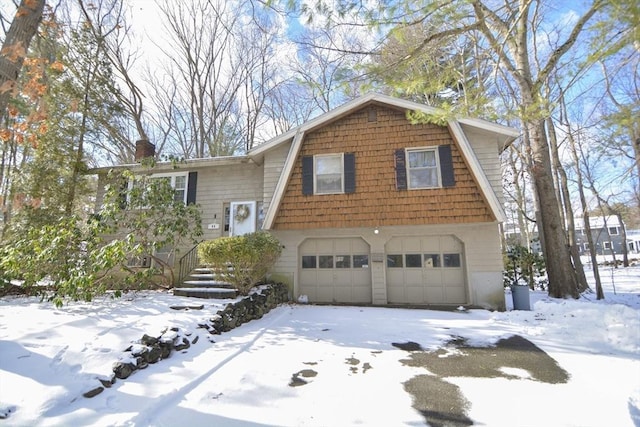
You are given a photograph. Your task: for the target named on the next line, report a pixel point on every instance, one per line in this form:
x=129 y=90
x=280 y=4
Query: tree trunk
x=16 y=44
x=563 y=187
x=623 y=235
x=585 y=215
x=562 y=278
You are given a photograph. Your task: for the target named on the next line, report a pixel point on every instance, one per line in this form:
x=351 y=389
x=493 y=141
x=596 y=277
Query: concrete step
x=205 y=284
x=202 y=276
x=209 y=293
x=202 y=270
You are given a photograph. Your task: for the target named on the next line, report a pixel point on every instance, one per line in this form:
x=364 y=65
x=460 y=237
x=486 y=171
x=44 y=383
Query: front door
x=243 y=218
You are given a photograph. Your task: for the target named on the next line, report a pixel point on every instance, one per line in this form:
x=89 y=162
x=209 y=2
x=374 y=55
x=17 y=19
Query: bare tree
x=258 y=44
x=517 y=196
x=289 y=106
x=622 y=87
x=205 y=68
x=116 y=41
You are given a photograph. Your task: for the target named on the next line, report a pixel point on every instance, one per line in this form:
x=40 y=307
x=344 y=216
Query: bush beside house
x=241 y=260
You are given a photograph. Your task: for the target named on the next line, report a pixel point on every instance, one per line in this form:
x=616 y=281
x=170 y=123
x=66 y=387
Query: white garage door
x=425 y=270
x=335 y=270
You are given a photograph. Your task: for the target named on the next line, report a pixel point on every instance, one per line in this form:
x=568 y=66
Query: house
x=369 y=208
x=607 y=234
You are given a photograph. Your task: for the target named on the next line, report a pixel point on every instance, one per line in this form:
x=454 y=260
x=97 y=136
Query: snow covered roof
x=598 y=221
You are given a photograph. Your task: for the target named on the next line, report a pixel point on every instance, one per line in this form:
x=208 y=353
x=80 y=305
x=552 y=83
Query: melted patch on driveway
x=442 y=403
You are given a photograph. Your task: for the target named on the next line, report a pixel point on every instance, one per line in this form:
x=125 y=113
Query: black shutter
x=401 y=169
x=446 y=166
x=349 y=173
x=307 y=175
x=192 y=184
x=123 y=193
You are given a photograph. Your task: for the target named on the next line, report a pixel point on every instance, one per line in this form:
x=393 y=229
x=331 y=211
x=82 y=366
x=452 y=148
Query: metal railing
x=187 y=263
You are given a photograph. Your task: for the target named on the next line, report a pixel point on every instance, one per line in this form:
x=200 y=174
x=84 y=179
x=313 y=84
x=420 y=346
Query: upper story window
x=423 y=168
x=613 y=231
x=329 y=174
x=178 y=182
x=182 y=183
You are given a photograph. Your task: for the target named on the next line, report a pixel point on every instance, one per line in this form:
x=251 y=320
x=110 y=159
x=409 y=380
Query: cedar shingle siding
x=373 y=138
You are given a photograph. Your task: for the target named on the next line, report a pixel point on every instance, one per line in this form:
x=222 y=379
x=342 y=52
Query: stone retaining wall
x=152 y=349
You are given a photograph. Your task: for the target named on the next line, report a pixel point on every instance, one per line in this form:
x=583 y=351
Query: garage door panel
x=431 y=244
x=324 y=276
x=450 y=244
x=312 y=293
x=413 y=277
x=344 y=276
x=454 y=293
x=362 y=278
x=343 y=282
x=359 y=246
x=434 y=295
x=342 y=294
x=415 y=293
x=324 y=246
x=411 y=244
x=432 y=272
x=324 y=294
x=361 y=294
x=433 y=276
x=452 y=276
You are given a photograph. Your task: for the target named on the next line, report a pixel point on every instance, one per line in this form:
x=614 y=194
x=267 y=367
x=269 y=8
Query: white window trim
x=315 y=172
x=617 y=232
x=606 y=246
x=408 y=166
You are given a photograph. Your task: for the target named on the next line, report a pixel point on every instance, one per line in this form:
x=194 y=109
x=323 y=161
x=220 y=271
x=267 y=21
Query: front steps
x=204 y=283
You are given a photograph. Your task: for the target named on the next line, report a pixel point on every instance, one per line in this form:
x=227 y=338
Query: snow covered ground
x=49 y=357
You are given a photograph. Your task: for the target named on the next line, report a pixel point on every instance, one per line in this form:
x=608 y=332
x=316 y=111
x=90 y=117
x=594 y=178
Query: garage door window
x=394 y=261
x=308 y=261
x=325 y=261
x=360 y=261
x=451 y=260
x=343 y=261
x=413 y=260
x=432 y=260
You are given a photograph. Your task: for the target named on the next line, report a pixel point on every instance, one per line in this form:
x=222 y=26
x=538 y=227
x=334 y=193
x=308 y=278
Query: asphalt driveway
x=442 y=403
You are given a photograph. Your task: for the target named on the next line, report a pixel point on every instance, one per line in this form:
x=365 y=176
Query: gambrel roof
x=503 y=136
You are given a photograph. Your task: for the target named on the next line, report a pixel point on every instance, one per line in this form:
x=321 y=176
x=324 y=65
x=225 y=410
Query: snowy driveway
x=306 y=366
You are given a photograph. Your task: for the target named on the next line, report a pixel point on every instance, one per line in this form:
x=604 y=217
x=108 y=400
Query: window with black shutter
x=192 y=184
x=427 y=167
x=329 y=174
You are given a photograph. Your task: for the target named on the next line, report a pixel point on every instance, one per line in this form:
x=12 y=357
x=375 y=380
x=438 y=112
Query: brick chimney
x=144 y=149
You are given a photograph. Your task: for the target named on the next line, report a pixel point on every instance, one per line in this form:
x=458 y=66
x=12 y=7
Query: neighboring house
x=607 y=235
x=633 y=241
x=369 y=208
